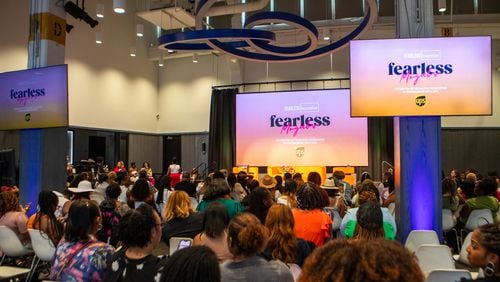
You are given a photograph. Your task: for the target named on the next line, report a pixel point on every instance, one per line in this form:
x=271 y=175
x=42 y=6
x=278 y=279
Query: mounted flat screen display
x=34 y=98
x=421 y=76
x=299 y=128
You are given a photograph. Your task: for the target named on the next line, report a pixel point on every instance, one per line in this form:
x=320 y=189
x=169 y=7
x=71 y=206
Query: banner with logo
x=299 y=128
x=421 y=76
x=34 y=98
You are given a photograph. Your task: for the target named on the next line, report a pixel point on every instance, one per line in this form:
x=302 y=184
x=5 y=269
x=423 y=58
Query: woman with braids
x=356 y=260
x=311 y=223
x=283 y=245
x=484 y=251
x=44 y=219
x=246 y=238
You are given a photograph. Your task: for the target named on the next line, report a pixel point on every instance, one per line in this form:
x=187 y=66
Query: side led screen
x=421 y=76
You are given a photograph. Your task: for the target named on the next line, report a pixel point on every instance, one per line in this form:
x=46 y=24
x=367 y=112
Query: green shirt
x=388 y=230
x=233 y=207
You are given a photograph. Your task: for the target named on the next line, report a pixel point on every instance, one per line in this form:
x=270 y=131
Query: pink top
x=16 y=221
x=218 y=245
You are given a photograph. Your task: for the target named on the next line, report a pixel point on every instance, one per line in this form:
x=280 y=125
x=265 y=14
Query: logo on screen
x=27 y=117
x=420 y=101
x=299 y=152
x=413 y=73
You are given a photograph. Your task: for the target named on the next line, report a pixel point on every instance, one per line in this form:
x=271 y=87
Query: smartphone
x=184 y=244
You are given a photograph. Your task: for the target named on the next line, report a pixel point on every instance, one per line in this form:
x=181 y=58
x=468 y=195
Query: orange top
x=312 y=225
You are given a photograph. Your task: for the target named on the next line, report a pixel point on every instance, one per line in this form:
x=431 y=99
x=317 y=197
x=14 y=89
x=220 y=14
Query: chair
x=177 y=243
x=43 y=247
x=462 y=256
x=12 y=273
x=449 y=223
x=476 y=218
x=446 y=275
x=433 y=257
x=419 y=237
x=12 y=247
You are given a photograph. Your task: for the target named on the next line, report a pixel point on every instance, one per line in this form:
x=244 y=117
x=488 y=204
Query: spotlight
x=133 y=51
x=140 y=30
x=78 y=13
x=98 y=37
x=326 y=35
x=160 y=62
x=195 y=58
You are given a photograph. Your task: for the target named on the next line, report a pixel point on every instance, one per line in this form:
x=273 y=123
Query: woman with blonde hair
x=180 y=218
x=283 y=244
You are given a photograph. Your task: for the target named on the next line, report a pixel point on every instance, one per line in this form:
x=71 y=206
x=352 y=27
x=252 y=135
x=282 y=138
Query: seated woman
x=79 y=255
x=450 y=199
x=282 y=244
x=484 y=251
x=288 y=196
x=197 y=263
x=369 y=224
x=111 y=212
x=259 y=202
x=311 y=223
x=218 y=190
x=181 y=219
x=483 y=200
x=247 y=238
x=12 y=216
x=45 y=219
x=369 y=193
x=214 y=234
x=359 y=260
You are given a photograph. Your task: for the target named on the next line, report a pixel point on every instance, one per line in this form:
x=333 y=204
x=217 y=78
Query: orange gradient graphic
x=421 y=76
x=300 y=128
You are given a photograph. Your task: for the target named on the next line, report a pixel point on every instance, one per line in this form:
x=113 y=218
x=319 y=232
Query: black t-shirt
x=124 y=269
x=182 y=227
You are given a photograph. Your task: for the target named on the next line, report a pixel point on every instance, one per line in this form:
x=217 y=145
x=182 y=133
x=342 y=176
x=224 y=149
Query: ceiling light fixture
x=99 y=10
x=442 y=6
x=98 y=37
x=195 y=58
x=326 y=34
x=119 y=6
x=160 y=62
x=133 y=51
x=139 y=30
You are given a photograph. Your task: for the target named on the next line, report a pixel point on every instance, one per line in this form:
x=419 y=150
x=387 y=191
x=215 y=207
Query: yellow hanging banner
x=49 y=27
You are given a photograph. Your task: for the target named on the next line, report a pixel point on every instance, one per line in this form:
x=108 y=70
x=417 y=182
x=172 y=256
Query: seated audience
x=186 y=185
x=193 y=264
x=45 y=219
x=339 y=177
x=259 y=202
x=163 y=193
x=218 y=190
x=237 y=191
x=79 y=255
x=450 y=199
x=282 y=244
x=140 y=234
x=369 y=224
x=247 y=238
x=81 y=191
x=288 y=197
x=111 y=212
x=359 y=260
x=315 y=178
x=141 y=193
x=483 y=200
x=181 y=219
x=369 y=193
x=12 y=216
x=311 y=223
x=214 y=234
x=100 y=189
x=484 y=251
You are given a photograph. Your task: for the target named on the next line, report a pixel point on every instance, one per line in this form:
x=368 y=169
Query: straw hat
x=268 y=182
x=329 y=184
x=83 y=186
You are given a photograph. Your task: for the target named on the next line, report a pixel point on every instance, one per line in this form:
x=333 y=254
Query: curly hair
x=178 y=205
x=197 y=263
x=378 y=260
x=309 y=197
x=282 y=243
x=135 y=226
x=246 y=235
x=489 y=236
x=9 y=201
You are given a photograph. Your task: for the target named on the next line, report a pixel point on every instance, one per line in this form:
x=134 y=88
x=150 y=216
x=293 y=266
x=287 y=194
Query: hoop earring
x=489 y=270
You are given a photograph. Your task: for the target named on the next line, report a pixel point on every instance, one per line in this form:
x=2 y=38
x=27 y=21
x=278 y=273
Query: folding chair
x=419 y=237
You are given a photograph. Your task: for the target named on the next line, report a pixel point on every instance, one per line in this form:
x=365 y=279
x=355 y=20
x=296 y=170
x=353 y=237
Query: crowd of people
x=277 y=228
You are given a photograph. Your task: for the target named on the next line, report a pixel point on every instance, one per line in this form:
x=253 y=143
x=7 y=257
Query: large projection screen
x=443 y=76
x=299 y=128
x=34 y=98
